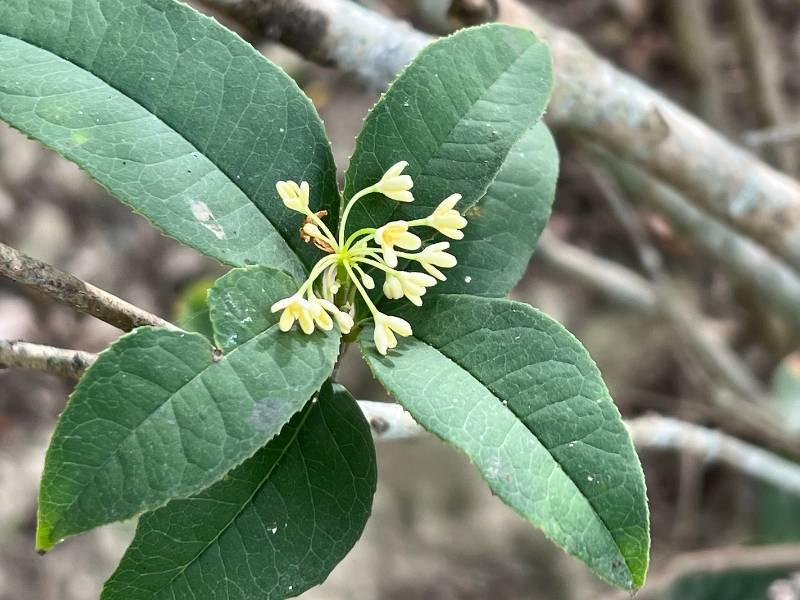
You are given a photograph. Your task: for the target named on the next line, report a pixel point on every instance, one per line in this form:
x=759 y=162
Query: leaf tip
x=44 y=537
x=43 y=546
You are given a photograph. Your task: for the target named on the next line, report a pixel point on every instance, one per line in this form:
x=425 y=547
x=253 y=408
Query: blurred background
x=666 y=300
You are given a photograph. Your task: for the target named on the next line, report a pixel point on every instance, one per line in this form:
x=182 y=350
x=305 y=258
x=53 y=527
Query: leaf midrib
x=168 y=125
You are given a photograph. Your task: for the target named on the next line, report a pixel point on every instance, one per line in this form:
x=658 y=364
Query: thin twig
x=66 y=288
x=689 y=502
x=58 y=361
x=591 y=96
x=785 y=134
x=762 y=63
x=611 y=279
x=387 y=420
x=715 y=560
x=713 y=446
x=694 y=44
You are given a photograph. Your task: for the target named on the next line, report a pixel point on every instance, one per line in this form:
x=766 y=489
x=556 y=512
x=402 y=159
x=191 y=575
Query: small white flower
x=295 y=197
x=393 y=234
x=295 y=308
x=446 y=220
x=385 y=328
x=435 y=256
x=343 y=320
x=321 y=317
x=411 y=285
x=366 y=279
x=392 y=288
x=394 y=185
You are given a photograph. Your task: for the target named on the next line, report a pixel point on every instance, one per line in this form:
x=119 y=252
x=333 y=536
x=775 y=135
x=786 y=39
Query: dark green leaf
x=274 y=527
x=521 y=396
x=453 y=115
x=174 y=114
x=160 y=416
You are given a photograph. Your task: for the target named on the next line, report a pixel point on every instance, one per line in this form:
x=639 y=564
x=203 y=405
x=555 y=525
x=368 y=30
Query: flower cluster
x=341 y=272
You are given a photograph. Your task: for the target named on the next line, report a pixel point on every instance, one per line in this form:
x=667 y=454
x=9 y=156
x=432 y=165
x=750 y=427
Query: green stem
x=353 y=200
x=357 y=234
x=359 y=270
x=379 y=265
x=315 y=272
x=361 y=252
x=408 y=256
x=373 y=309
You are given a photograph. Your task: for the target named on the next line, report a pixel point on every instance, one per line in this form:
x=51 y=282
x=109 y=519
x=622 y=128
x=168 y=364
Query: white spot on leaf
x=206 y=218
x=201 y=211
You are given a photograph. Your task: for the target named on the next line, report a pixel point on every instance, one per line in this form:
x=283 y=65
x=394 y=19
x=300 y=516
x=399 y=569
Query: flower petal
x=448 y=203
x=453 y=234
x=287 y=320
x=389 y=256
x=408 y=241
x=433 y=271
x=401 y=196
x=396 y=169
x=306 y=321
x=381 y=339
x=281 y=304
x=401 y=326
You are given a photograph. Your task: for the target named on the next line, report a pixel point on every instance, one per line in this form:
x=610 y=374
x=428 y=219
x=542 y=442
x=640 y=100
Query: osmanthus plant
x=252 y=470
